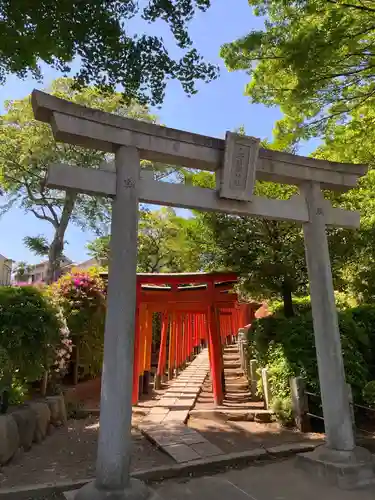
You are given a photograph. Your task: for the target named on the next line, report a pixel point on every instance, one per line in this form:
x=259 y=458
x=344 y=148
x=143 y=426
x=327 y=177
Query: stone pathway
x=165 y=424
x=275 y=481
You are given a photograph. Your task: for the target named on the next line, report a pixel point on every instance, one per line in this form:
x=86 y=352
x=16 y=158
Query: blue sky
x=218 y=106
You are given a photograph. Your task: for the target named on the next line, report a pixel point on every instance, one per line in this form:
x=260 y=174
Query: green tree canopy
x=27 y=147
x=97 y=34
x=267 y=254
x=354 y=142
x=314 y=58
x=164 y=243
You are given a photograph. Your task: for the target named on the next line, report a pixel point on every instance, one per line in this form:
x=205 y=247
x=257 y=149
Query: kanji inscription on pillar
x=239 y=168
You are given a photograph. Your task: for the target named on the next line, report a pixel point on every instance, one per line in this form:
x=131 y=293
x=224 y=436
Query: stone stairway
x=237 y=394
x=238 y=403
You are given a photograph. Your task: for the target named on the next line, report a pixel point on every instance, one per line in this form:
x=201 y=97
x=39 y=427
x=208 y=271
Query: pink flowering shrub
x=81 y=295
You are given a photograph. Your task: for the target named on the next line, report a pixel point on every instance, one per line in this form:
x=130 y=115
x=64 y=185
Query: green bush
x=287 y=347
x=302 y=305
x=364 y=316
x=369 y=393
x=31 y=337
x=81 y=295
x=282 y=407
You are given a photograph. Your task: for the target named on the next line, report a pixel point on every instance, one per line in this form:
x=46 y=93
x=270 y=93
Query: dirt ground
x=70 y=453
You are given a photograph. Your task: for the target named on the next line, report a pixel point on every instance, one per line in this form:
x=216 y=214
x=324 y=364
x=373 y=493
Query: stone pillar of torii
x=237 y=162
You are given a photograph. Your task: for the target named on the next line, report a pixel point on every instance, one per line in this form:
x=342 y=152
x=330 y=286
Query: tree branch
x=349 y=73
x=352 y=6
x=43 y=217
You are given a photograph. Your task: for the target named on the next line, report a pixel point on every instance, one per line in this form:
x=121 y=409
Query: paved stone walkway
x=165 y=424
x=275 y=481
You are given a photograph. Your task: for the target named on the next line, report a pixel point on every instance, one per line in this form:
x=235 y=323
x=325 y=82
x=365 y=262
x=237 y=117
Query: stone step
x=235 y=401
x=236 y=387
x=231 y=349
x=232 y=354
x=232 y=366
x=233 y=372
x=234 y=415
x=233 y=361
x=235 y=377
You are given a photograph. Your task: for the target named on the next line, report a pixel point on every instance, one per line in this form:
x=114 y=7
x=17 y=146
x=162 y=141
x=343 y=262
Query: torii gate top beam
x=96 y=129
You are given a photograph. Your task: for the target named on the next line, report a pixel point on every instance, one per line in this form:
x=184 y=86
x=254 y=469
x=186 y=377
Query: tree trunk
x=57 y=246
x=76 y=365
x=44 y=384
x=287 y=299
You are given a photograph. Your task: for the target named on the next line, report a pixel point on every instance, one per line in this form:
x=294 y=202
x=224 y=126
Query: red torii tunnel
x=195 y=310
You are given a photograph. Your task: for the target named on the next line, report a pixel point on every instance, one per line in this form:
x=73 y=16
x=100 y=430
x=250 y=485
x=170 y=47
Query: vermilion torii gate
x=237 y=162
x=196 y=308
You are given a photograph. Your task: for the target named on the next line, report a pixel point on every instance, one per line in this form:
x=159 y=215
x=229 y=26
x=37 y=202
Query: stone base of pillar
x=140 y=386
x=146 y=382
x=346 y=469
x=135 y=491
x=158 y=382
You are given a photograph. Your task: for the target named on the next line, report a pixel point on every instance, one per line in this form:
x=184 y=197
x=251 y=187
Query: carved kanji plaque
x=238 y=172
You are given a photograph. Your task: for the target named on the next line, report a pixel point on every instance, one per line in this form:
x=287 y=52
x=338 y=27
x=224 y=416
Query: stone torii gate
x=237 y=162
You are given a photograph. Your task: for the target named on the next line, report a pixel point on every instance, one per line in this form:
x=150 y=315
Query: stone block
x=263 y=417
x=25 y=419
x=266 y=389
x=240 y=417
x=177 y=416
x=56 y=405
x=206 y=449
x=154 y=418
x=53 y=405
x=43 y=417
x=9 y=438
x=181 y=452
x=192 y=438
x=346 y=469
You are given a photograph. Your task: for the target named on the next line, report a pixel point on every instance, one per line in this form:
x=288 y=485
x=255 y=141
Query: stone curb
x=196 y=468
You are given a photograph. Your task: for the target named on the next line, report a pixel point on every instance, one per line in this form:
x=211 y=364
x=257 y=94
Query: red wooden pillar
x=135 y=392
x=186 y=339
x=148 y=350
x=201 y=330
x=214 y=343
x=192 y=327
x=189 y=335
x=196 y=333
x=177 y=342
x=182 y=340
x=162 y=351
x=172 y=346
x=142 y=336
x=204 y=322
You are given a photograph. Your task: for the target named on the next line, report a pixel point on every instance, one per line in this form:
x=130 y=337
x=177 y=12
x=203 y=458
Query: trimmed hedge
x=32 y=337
